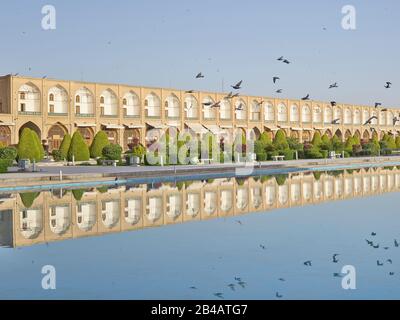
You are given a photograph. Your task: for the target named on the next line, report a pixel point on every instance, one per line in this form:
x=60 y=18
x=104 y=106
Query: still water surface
x=190 y=240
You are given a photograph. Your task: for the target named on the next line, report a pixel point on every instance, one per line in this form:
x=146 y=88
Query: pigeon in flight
x=286 y=61
x=280 y=58
x=274 y=79
x=219 y=295
x=378 y=263
x=279 y=91
x=278 y=295
x=199 y=76
x=239 y=107
x=307 y=97
x=333 y=86
x=333 y=103
x=369 y=121
x=334 y=258
x=396 y=243
x=377 y=104
x=190 y=91
x=335 y=121
x=388 y=85
x=308 y=263
x=237 y=86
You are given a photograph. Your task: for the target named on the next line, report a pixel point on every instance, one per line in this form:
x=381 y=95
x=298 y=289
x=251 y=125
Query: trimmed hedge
x=4 y=164
x=28 y=198
x=112 y=152
x=28 y=147
x=65 y=144
x=9 y=153
x=99 y=142
x=78 y=148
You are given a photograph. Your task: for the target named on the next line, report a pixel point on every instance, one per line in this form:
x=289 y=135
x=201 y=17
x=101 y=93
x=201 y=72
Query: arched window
x=84 y=102
x=172 y=107
x=108 y=103
x=208 y=112
x=191 y=107
x=282 y=112
x=255 y=112
x=131 y=104
x=58 y=100
x=225 y=109
x=29 y=99
x=306 y=114
x=51 y=97
x=152 y=105
x=317 y=114
x=269 y=114
x=294 y=113
x=328 y=116
x=241 y=110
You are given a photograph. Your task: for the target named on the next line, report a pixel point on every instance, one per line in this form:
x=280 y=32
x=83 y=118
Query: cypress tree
x=65 y=144
x=99 y=142
x=27 y=146
x=78 y=149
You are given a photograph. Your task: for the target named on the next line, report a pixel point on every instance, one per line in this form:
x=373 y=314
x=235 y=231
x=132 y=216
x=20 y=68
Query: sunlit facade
x=55 y=107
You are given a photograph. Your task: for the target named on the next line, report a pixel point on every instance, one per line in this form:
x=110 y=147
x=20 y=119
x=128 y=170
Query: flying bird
x=239 y=107
x=238 y=279
x=308 y=263
x=190 y=91
x=274 y=79
x=333 y=103
x=336 y=121
x=369 y=242
x=281 y=279
x=231 y=286
x=286 y=61
x=378 y=263
x=395 y=119
x=377 y=104
x=242 y=284
x=376 y=246
x=373 y=234
x=280 y=58
x=237 y=86
x=279 y=91
x=333 y=86
x=396 y=244
x=391 y=273
x=216 y=105
x=388 y=85
x=334 y=258
x=307 y=97
x=262 y=246
x=390 y=261
x=278 y=295
x=219 y=295
x=199 y=76
x=369 y=121
x=208 y=103
x=193 y=288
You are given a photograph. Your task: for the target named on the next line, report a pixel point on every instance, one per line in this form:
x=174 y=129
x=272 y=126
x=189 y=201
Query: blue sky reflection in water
x=164 y=262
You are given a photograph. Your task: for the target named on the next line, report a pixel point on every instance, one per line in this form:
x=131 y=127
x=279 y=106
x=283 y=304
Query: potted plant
x=135 y=155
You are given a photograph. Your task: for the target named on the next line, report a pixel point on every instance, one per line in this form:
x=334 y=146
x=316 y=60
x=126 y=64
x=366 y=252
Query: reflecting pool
x=264 y=237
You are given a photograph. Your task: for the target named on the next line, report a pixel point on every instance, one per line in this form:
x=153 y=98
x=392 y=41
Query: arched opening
x=57 y=101
x=347 y=116
x=5 y=135
x=282 y=113
x=152 y=105
x=131 y=137
x=357 y=134
x=294 y=134
x=337 y=115
x=382 y=118
x=339 y=134
x=29 y=99
x=225 y=110
x=365 y=115
x=241 y=110
x=294 y=113
x=255 y=134
x=172 y=107
x=208 y=112
x=328 y=115
x=269 y=133
x=87 y=134
x=131 y=105
x=317 y=114
x=366 y=136
x=112 y=135
x=84 y=103
x=31 y=126
x=108 y=103
x=306 y=136
x=347 y=134
x=191 y=106
x=357 y=117
x=55 y=136
x=306 y=114
x=269 y=114
x=328 y=133
x=255 y=111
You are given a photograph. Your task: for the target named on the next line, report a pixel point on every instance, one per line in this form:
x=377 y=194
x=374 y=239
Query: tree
x=357 y=139
x=99 y=142
x=265 y=138
x=326 y=143
x=39 y=145
x=280 y=141
x=65 y=144
x=316 y=141
x=78 y=150
x=27 y=146
x=350 y=142
x=397 y=142
x=391 y=144
x=337 y=144
x=112 y=152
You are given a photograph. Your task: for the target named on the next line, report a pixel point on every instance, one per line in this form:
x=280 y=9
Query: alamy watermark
x=349 y=20
x=49 y=19
x=49 y=279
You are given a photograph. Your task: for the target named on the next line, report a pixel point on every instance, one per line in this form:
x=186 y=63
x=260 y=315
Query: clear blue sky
x=165 y=43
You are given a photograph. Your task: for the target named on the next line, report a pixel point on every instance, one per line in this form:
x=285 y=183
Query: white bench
x=109 y=163
x=278 y=158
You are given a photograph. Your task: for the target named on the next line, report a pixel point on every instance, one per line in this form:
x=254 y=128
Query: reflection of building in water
x=56 y=216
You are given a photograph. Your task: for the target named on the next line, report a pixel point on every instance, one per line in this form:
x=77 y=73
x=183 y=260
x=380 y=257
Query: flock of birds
x=239 y=282
x=275 y=79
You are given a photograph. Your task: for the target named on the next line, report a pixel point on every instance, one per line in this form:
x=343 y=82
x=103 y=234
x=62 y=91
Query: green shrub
x=265 y=138
x=112 y=152
x=391 y=143
x=271 y=154
x=326 y=143
x=78 y=194
x=280 y=141
x=325 y=153
x=99 y=142
x=337 y=144
x=316 y=140
x=102 y=189
x=65 y=144
x=56 y=155
x=313 y=153
x=4 y=164
x=28 y=147
x=317 y=175
x=262 y=156
x=397 y=141
x=78 y=149
x=288 y=154
x=28 y=198
x=8 y=153
x=281 y=179
x=39 y=145
x=294 y=144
